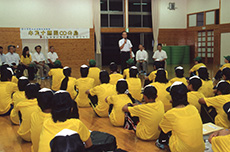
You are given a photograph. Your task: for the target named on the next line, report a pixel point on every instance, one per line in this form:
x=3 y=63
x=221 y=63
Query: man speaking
x=126 y=50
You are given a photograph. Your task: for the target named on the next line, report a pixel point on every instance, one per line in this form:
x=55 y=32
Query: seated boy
x=130 y=63
x=198 y=64
x=114 y=75
x=219 y=73
x=57 y=77
x=94 y=72
x=179 y=72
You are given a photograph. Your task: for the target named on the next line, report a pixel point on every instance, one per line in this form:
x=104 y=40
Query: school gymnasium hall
x=37 y=37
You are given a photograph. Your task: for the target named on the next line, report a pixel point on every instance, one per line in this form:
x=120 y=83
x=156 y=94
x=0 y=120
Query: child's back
x=193 y=97
x=183 y=80
x=94 y=74
x=134 y=86
x=71 y=87
x=207 y=88
x=57 y=76
x=114 y=78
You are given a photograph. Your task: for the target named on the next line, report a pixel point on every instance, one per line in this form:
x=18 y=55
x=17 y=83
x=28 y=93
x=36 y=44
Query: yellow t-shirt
x=183 y=80
x=193 y=97
x=221 y=143
x=117 y=116
x=14 y=79
x=57 y=77
x=126 y=73
x=134 y=87
x=50 y=129
x=102 y=91
x=228 y=81
x=162 y=94
x=207 y=88
x=196 y=67
x=94 y=73
x=17 y=97
x=71 y=87
x=114 y=78
x=26 y=60
x=218 y=102
x=150 y=115
x=187 y=130
x=26 y=107
x=7 y=88
x=37 y=120
x=152 y=75
x=83 y=84
x=226 y=65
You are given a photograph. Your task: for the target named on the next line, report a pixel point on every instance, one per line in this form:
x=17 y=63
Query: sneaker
x=159 y=145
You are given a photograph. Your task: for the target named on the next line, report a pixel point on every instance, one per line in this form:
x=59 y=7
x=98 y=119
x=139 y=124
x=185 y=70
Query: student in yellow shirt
x=226 y=65
x=149 y=113
x=179 y=72
x=134 y=84
x=98 y=94
x=194 y=84
x=17 y=97
x=44 y=99
x=130 y=62
x=57 y=77
x=223 y=96
x=181 y=126
x=117 y=102
x=94 y=72
x=7 y=88
x=226 y=74
x=114 y=74
x=198 y=64
x=61 y=110
x=25 y=108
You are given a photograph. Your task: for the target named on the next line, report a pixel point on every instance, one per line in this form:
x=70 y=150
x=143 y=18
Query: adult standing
x=142 y=58
x=160 y=55
x=125 y=46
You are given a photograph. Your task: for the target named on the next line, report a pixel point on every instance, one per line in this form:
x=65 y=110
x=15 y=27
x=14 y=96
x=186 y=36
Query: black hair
x=226 y=72
x=45 y=100
x=14 y=46
x=104 y=77
x=113 y=67
x=179 y=73
x=123 y=32
x=200 y=61
x=150 y=92
x=31 y=90
x=161 y=76
x=6 y=75
x=22 y=83
x=203 y=73
x=133 y=73
x=72 y=143
x=9 y=46
x=64 y=83
x=141 y=44
x=1 y=47
x=37 y=47
x=25 y=49
x=196 y=83
x=51 y=46
x=179 y=95
x=224 y=88
x=121 y=87
x=157 y=65
x=84 y=72
x=159 y=44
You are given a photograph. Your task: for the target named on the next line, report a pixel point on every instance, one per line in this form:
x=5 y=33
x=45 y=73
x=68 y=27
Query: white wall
x=46 y=13
x=225 y=46
x=194 y=6
x=225 y=11
x=173 y=18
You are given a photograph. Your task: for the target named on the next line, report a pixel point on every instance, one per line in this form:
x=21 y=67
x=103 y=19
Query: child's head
x=194 y=83
x=92 y=63
x=161 y=76
x=122 y=86
x=226 y=73
x=149 y=93
x=157 y=65
x=22 y=83
x=203 y=73
x=179 y=71
x=130 y=62
x=31 y=90
x=84 y=71
x=67 y=71
x=104 y=77
x=178 y=92
x=198 y=60
x=227 y=59
x=133 y=72
x=226 y=108
x=113 y=67
x=6 y=74
x=223 y=87
x=44 y=98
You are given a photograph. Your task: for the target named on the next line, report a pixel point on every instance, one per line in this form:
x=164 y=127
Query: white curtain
x=155 y=21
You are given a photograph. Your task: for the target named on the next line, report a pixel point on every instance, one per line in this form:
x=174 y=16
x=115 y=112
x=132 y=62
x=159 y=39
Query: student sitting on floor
x=17 y=97
x=130 y=63
x=114 y=75
x=181 y=126
x=7 y=88
x=94 y=72
x=134 y=84
x=179 y=72
x=57 y=76
x=194 y=84
x=62 y=111
x=226 y=74
x=25 y=108
x=198 y=64
x=44 y=99
x=207 y=84
x=161 y=83
x=223 y=96
x=219 y=73
x=220 y=140
x=101 y=91
x=149 y=113
x=116 y=102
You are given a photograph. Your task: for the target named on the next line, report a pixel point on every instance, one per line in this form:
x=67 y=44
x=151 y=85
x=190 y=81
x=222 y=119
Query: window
x=200 y=19
x=112 y=13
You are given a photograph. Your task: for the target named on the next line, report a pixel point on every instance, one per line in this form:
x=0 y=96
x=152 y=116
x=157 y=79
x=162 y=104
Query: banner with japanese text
x=53 y=33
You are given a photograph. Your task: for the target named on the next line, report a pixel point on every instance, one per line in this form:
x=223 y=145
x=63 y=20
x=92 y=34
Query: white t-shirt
x=52 y=56
x=160 y=55
x=12 y=58
x=127 y=45
x=2 y=58
x=38 y=57
x=142 y=55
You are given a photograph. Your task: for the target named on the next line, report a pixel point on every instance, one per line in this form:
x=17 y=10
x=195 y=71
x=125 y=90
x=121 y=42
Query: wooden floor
x=11 y=142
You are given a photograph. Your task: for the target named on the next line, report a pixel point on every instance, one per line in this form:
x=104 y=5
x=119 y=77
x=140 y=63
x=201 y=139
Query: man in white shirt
x=160 y=55
x=2 y=56
x=12 y=59
x=39 y=60
x=125 y=46
x=142 y=58
x=53 y=58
